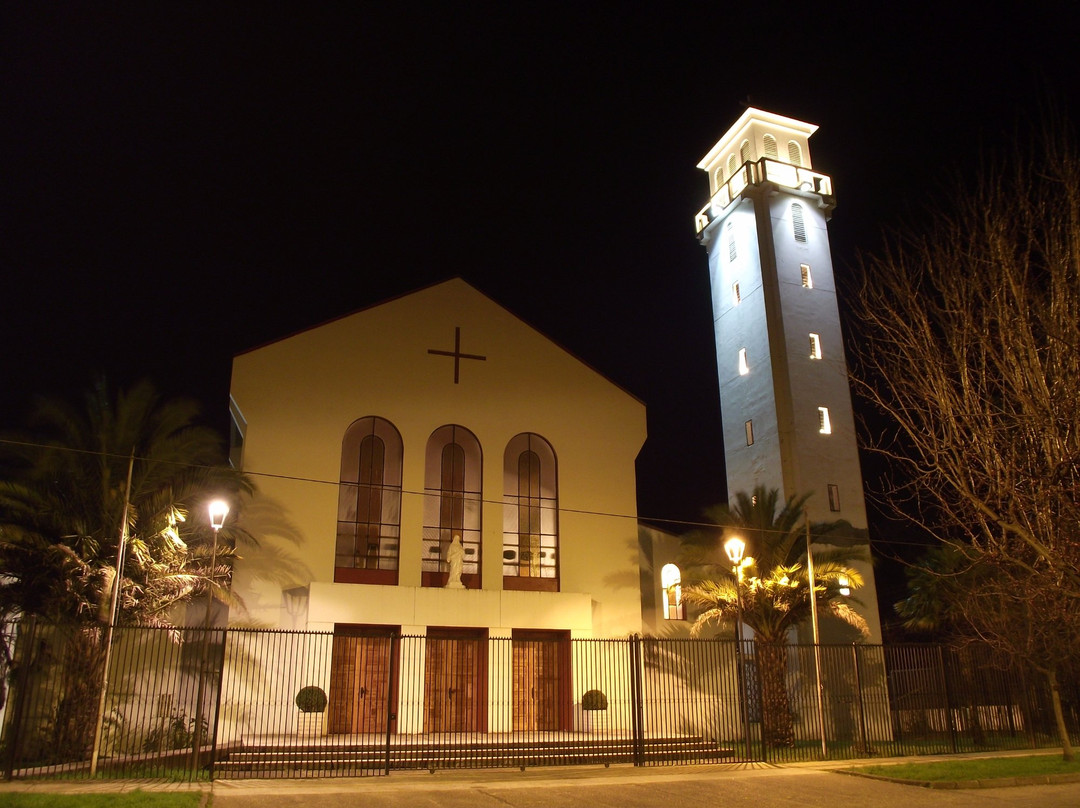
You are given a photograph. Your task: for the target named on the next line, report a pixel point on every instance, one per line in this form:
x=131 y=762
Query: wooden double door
x=455 y=680
x=363 y=689
x=541 y=680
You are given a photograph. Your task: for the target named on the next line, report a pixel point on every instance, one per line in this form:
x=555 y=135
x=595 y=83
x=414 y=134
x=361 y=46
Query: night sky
x=181 y=181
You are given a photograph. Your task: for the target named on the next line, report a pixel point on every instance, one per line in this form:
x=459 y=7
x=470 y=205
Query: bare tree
x=970 y=347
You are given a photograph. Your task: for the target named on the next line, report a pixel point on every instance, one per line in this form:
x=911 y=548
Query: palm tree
x=774 y=586
x=63 y=490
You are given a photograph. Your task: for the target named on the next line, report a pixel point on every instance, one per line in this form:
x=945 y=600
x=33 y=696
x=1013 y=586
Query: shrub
x=311 y=699
x=594 y=700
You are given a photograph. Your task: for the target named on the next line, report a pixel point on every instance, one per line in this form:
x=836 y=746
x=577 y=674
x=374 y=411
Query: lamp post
x=114 y=604
x=218 y=510
x=735 y=547
x=817 y=642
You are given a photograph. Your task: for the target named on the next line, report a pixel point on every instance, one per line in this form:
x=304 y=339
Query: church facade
x=433 y=466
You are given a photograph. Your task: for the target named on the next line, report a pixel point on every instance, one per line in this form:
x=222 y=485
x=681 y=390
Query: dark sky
x=183 y=181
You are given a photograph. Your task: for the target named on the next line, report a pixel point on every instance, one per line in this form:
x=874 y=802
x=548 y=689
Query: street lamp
x=817 y=642
x=735 y=547
x=218 y=510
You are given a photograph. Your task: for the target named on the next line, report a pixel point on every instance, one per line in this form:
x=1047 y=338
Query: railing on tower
x=764 y=170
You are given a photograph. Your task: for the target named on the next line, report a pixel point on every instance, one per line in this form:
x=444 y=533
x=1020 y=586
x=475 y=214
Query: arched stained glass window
x=369 y=504
x=452 y=505
x=530 y=515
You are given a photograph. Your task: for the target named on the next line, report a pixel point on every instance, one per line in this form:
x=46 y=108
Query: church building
x=433 y=466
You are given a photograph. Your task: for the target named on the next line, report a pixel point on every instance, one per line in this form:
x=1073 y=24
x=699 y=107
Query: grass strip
x=127 y=799
x=975 y=769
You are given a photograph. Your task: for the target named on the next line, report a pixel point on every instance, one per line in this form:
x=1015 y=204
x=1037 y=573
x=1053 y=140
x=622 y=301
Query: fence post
x=948 y=701
x=217 y=702
x=863 y=747
x=390 y=690
x=637 y=706
x=23 y=672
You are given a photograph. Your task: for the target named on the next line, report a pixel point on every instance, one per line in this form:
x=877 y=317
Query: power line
x=682 y=523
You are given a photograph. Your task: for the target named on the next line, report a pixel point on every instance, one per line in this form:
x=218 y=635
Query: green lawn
x=978 y=769
x=128 y=799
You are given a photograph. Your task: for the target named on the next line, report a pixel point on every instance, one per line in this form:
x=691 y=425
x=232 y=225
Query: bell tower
x=784 y=394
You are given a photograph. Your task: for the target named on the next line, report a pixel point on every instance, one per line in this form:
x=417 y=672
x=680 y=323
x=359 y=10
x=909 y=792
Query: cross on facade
x=456 y=353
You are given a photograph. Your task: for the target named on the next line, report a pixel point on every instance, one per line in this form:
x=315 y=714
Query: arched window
x=719 y=178
x=531 y=515
x=794 y=153
x=452 y=504
x=671 y=583
x=744 y=151
x=798 y=223
x=770 y=147
x=732 y=165
x=369 y=504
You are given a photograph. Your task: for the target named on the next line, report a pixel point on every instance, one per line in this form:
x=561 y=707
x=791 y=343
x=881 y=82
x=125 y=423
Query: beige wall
x=299 y=395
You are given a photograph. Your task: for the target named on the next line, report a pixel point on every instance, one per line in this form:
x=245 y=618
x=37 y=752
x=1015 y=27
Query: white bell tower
x=784 y=394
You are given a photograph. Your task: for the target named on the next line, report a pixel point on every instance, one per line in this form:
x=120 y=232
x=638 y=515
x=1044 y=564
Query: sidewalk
x=816 y=785
x=810 y=785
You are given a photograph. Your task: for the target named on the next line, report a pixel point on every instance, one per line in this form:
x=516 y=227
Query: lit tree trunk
x=777 y=726
x=1059 y=715
x=76 y=708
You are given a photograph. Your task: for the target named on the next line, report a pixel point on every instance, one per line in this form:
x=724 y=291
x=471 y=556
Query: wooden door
x=360 y=683
x=455 y=678
x=539 y=680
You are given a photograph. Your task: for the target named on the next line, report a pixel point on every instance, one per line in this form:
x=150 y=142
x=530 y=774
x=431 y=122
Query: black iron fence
x=189 y=703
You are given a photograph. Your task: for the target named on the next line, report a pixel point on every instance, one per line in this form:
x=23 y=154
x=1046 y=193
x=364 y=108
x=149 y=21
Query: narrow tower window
x=798 y=224
x=749 y=426
x=794 y=153
x=807 y=278
x=731 y=241
x=744 y=151
x=744 y=368
x=834 y=497
x=736 y=295
x=824 y=424
x=815 y=346
x=770 y=147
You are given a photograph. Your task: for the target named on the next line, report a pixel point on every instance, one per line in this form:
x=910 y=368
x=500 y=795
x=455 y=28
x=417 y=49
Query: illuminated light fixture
x=815 y=346
x=845 y=586
x=744 y=368
x=735 y=547
x=824 y=423
x=219 y=509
